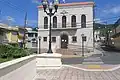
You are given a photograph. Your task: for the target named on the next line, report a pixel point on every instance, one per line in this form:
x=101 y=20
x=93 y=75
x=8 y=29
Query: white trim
x=115 y=68
x=9 y=63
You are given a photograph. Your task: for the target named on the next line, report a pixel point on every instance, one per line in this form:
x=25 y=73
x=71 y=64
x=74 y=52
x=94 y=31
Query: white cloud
x=112 y=10
x=9 y=18
x=97 y=20
x=36 y=1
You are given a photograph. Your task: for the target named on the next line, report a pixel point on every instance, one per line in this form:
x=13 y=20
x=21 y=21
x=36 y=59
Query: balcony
x=60 y=26
x=67 y=26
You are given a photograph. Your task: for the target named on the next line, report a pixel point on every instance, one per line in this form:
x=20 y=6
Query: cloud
x=9 y=18
x=97 y=20
x=112 y=10
x=36 y=1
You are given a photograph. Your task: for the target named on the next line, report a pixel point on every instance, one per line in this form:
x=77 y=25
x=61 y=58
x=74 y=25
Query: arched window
x=64 y=22
x=45 y=22
x=54 y=22
x=73 y=21
x=83 y=21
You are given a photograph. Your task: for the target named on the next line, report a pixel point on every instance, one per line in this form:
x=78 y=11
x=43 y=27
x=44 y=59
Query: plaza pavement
x=101 y=65
x=67 y=73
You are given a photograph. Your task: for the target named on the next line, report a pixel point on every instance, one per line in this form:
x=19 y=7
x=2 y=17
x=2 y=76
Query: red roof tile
x=73 y=4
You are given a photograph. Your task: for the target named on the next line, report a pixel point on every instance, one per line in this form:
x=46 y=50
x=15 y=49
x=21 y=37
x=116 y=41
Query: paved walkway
x=66 y=73
x=96 y=66
x=91 y=67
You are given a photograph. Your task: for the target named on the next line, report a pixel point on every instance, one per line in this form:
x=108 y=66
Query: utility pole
x=0 y=16
x=106 y=33
x=83 y=39
x=25 y=23
x=93 y=26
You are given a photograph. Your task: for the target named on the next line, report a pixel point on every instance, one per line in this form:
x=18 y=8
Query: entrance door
x=64 y=41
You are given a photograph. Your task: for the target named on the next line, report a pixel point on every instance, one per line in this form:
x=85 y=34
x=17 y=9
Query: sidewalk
x=91 y=68
x=69 y=73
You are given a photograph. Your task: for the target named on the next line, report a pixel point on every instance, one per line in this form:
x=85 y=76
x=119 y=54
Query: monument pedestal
x=48 y=61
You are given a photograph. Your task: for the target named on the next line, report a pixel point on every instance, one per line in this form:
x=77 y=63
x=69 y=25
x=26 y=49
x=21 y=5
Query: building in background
x=31 y=41
x=97 y=35
x=114 y=39
x=3 y=31
x=68 y=24
x=11 y=34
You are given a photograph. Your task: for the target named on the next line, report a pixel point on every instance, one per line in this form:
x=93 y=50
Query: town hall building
x=71 y=21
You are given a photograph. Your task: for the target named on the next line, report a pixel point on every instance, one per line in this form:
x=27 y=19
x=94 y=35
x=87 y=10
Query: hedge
x=8 y=51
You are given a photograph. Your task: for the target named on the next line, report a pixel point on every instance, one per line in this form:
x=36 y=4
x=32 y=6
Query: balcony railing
x=64 y=26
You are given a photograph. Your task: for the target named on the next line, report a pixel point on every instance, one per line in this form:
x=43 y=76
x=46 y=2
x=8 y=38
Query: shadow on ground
x=110 y=49
x=72 y=60
x=110 y=56
x=96 y=55
x=113 y=58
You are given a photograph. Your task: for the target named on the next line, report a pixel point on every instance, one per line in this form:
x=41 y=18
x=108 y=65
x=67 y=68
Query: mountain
x=101 y=26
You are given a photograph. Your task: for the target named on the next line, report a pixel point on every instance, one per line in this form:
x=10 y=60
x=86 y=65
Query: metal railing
x=66 y=25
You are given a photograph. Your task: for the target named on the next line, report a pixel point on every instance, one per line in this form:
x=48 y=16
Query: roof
x=72 y=4
x=32 y=32
x=6 y=27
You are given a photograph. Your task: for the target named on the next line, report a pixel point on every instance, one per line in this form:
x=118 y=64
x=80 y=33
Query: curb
x=73 y=56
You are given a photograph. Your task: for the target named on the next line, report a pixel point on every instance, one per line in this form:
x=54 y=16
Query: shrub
x=14 y=44
x=19 y=53
x=8 y=51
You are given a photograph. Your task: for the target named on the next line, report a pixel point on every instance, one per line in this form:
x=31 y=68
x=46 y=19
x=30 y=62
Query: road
x=103 y=55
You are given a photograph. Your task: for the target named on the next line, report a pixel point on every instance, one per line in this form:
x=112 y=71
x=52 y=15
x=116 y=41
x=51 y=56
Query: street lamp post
x=82 y=45
x=39 y=38
x=50 y=6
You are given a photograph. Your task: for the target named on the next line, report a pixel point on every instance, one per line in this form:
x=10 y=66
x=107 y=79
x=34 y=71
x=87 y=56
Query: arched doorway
x=64 y=41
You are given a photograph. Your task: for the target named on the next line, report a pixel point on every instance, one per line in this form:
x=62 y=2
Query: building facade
x=11 y=34
x=68 y=24
x=97 y=35
x=3 y=36
x=31 y=41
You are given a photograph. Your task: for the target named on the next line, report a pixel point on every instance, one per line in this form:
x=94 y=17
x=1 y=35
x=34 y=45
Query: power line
x=88 y=22
x=105 y=20
x=12 y=5
x=19 y=9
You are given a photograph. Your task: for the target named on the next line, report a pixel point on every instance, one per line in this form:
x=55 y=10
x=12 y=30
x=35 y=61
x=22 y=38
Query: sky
x=12 y=12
